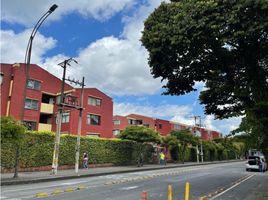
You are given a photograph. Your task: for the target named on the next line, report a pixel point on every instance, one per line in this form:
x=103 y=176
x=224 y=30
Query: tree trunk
x=183 y=153
x=17 y=159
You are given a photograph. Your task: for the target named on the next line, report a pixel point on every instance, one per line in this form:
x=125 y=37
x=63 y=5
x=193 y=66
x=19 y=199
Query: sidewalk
x=43 y=176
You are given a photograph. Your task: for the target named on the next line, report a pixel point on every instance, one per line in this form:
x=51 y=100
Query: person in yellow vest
x=162 y=158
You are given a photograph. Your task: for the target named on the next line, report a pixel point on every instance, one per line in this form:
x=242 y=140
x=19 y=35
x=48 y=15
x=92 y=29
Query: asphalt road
x=217 y=181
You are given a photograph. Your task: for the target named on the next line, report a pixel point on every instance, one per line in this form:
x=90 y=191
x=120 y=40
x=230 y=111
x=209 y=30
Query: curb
x=40 y=180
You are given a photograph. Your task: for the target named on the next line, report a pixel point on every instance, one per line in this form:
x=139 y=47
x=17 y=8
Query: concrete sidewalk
x=43 y=176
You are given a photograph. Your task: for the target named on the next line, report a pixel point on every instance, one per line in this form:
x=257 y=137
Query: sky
x=104 y=37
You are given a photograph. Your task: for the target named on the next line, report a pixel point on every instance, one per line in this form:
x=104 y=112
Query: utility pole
x=201 y=150
x=196 y=124
x=197 y=150
x=59 y=117
x=77 y=148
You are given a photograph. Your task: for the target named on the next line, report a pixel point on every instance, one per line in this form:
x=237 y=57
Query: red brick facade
x=164 y=127
x=42 y=94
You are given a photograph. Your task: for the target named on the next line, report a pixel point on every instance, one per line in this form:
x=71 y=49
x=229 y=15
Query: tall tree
x=221 y=43
x=12 y=130
x=185 y=138
x=141 y=135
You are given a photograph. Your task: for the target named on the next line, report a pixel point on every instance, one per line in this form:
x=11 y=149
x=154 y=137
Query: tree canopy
x=185 y=138
x=12 y=130
x=140 y=134
x=221 y=43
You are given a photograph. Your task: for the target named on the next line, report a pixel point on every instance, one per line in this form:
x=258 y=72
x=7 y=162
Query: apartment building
x=39 y=111
x=164 y=127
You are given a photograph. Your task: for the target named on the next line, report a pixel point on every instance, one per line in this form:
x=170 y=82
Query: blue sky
x=103 y=36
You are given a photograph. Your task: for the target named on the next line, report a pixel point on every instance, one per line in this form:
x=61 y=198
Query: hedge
x=208 y=155
x=37 y=150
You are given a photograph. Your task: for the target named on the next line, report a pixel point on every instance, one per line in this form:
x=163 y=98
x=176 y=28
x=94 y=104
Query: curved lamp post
x=28 y=53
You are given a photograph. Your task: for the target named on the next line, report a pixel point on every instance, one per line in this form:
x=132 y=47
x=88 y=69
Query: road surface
x=217 y=181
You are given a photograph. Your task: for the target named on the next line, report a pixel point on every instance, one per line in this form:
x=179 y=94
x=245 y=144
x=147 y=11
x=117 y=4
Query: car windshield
x=253 y=157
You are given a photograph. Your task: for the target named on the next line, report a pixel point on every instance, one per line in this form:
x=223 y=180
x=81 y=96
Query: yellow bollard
x=169 y=192
x=144 y=195
x=187 y=188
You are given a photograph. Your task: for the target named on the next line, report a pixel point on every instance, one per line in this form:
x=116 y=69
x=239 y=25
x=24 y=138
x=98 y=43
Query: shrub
x=37 y=150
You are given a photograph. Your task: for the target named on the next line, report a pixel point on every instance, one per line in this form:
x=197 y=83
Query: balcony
x=47 y=108
x=44 y=127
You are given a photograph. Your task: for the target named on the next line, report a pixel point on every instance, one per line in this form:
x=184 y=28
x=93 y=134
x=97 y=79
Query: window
x=1 y=78
x=96 y=135
x=131 y=122
x=177 y=127
x=116 y=122
x=65 y=117
x=94 y=101
x=160 y=126
x=116 y=132
x=31 y=104
x=93 y=119
x=30 y=125
x=134 y=122
x=33 y=84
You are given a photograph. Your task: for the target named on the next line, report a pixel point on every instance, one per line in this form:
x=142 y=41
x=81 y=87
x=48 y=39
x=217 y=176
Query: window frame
x=116 y=132
x=118 y=122
x=36 y=84
x=94 y=101
x=27 y=124
x=90 y=120
x=65 y=118
x=31 y=107
x=177 y=127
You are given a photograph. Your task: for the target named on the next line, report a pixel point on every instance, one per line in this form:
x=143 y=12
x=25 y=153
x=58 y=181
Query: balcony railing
x=44 y=127
x=47 y=108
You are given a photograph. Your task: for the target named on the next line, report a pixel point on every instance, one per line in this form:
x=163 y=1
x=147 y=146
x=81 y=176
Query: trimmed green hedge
x=37 y=150
x=209 y=155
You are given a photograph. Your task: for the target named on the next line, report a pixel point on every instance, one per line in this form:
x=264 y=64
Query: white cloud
x=177 y=113
x=27 y=12
x=159 y=111
x=225 y=125
x=13 y=46
x=118 y=67
x=183 y=118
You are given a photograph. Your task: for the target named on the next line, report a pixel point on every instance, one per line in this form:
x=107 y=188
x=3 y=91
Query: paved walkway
x=42 y=176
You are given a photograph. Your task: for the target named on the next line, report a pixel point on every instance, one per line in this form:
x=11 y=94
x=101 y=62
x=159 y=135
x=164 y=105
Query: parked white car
x=253 y=163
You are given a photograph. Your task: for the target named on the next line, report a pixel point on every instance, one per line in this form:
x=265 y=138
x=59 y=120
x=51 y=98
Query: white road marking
x=43 y=187
x=14 y=199
x=129 y=188
x=232 y=187
x=72 y=183
x=2 y=197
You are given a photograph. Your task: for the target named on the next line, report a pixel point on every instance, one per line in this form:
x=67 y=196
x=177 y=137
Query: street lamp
x=28 y=53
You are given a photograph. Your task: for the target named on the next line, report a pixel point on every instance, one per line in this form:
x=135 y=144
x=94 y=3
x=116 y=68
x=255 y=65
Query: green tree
x=13 y=131
x=173 y=145
x=248 y=141
x=141 y=135
x=221 y=43
x=185 y=138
